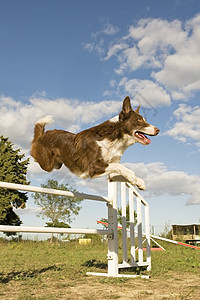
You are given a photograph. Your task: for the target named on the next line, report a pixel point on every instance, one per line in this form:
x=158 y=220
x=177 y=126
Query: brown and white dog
x=95 y=151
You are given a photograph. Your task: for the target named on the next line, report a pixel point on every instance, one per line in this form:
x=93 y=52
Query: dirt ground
x=181 y=287
x=173 y=286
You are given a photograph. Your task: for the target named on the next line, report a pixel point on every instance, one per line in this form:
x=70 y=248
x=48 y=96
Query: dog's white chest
x=112 y=150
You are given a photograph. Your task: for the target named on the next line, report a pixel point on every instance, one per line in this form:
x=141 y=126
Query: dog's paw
x=111 y=176
x=140 y=184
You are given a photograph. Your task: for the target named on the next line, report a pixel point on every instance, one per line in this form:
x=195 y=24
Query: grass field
x=40 y=270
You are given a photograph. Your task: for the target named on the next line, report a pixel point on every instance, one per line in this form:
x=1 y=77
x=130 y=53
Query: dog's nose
x=157 y=130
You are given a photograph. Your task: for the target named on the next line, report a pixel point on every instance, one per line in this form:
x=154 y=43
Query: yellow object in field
x=84 y=241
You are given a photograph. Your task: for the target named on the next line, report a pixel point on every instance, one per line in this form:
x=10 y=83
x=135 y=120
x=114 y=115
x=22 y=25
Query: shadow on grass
x=95 y=263
x=21 y=275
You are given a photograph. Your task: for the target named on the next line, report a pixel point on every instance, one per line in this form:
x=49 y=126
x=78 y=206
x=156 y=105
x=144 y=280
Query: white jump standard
x=128 y=195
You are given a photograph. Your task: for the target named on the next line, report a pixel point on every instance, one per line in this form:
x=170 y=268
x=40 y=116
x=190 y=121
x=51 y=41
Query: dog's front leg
x=113 y=169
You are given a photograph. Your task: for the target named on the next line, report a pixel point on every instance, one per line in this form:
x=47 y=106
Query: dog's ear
x=126 y=108
x=137 y=109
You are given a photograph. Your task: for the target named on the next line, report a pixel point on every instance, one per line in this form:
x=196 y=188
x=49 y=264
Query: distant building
x=188 y=233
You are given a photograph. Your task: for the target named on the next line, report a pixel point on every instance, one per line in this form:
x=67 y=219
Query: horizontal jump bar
x=36 y=189
x=30 y=229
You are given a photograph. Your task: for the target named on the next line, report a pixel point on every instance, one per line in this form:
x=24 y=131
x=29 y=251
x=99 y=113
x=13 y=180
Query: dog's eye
x=141 y=120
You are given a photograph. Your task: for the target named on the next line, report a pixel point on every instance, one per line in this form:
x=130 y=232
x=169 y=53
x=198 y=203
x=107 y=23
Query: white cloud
x=172 y=49
x=198 y=145
x=113 y=50
x=29 y=210
x=178 y=95
x=187 y=126
x=97 y=39
x=112 y=83
x=150 y=42
x=18 y=118
x=160 y=181
x=181 y=70
x=110 y=29
x=96 y=186
x=152 y=94
x=8 y=102
x=88 y=46
x=169 y=50
x=97 y=46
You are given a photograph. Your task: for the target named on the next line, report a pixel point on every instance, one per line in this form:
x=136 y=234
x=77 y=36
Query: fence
x=116 y=191
x=127 y=193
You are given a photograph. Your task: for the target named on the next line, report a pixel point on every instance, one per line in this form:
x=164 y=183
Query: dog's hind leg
x=47 y=159
x=57 y=165
x=114 y=168
x=47 y=163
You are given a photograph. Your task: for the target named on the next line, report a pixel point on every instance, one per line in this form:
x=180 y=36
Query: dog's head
x=135 y=125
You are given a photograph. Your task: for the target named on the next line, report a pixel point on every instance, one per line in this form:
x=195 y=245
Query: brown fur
x=81 y=152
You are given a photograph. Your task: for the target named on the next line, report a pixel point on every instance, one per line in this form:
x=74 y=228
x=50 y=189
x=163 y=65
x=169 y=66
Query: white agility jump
x=119 y=194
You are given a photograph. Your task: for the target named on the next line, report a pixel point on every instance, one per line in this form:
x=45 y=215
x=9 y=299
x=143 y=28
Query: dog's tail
x=39 y=127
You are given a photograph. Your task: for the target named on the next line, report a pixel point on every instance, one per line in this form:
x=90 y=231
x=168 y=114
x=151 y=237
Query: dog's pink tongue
x=144 y=138
x=147 y=141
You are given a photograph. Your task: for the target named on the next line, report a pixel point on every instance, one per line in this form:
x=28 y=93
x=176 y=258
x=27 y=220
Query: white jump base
x=118 y=276
x=119 y=195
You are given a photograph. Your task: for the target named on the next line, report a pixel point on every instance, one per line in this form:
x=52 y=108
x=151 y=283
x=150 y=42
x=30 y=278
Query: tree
x=119 y=217
x=57 y=208
x=119 y=214
x=12 y=169
x=59 y=225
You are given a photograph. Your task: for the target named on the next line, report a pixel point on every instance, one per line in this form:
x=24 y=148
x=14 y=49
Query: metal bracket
x=110 y=236
x=109 y=257
x=110 y=204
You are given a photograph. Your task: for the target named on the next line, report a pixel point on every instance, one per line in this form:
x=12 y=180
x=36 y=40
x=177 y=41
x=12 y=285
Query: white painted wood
x=148 y=240
x=131 y=265
x=29 y=188
x=132 y=227
x=124 y=232
x=136 y=193
x=118 y=276
x=31 y=229
x=112 y=226
x=112 y=231
x=139 y=226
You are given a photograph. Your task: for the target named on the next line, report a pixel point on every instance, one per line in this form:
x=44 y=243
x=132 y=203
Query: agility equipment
x=160 y=248
x=120 y=193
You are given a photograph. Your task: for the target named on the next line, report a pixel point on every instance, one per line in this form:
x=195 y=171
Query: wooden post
x=132 y=225
x=124 y=231
x=139 y=225
x=112 y=226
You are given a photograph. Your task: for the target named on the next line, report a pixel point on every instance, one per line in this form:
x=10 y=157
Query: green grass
x=27 y=259
x=49 y=270
x=176 y=258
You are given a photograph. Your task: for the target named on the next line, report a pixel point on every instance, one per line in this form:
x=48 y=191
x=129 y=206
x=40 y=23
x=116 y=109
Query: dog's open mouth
x=142 y=138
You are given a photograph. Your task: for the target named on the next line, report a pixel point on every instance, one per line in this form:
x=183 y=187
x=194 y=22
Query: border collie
x=95 y=151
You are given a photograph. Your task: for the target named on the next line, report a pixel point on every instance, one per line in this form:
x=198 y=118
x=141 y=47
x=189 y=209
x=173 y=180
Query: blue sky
x=77 y=60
